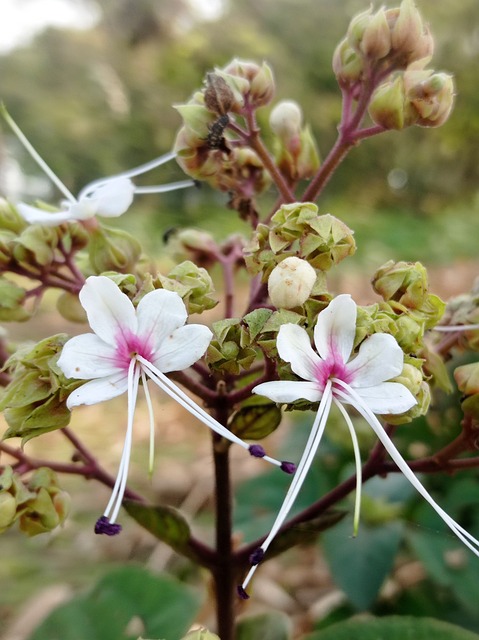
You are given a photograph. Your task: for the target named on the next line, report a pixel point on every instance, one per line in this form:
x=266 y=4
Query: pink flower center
x=128 y=346
x=332 y=367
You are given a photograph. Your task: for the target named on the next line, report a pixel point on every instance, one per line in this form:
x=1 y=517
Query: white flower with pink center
x=334 y=374
x=108 y=197
x=129 y=345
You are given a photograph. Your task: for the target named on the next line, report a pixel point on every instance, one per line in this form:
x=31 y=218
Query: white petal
x=159 y=313
x=387 y=397
x=183 y=347
x=34 y=215
x=98 y=390
x=380 y=358
x=110 y=199
x=289 y=391
x=335 y=329
x=294 y=346
x=87 y=357
x=109 y=310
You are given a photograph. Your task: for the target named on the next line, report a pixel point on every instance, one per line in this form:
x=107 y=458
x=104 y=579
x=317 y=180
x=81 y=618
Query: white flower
x=108 y=197
x=334 y=375
x=129 y=345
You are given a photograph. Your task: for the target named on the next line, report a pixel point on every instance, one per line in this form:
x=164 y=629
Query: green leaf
x=165 y=523
x=360 y=565
x=256 y=420
x=265 y=626
x=165 y=607
x=449 y=563
x=393 y=628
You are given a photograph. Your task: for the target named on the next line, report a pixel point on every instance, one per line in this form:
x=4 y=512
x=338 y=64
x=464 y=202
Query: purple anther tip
x=242 y=593
x=107 y=528
x=257 y=451
x=288 y=467
x=256 y=556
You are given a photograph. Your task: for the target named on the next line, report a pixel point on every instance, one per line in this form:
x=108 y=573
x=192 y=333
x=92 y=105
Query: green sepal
x=113 y=250
x=255 y=321
x=165 y=523
x=36 y=244
x=12 y=298
x=256 y=419
x=26 y=423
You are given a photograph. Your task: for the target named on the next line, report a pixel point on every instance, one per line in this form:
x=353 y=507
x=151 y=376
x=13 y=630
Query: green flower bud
x=10 y=219
x=12 y=298
x=230 y=351
x=34 y=402
x=388 y=105
x=423 y=398
x=193 y=284
x=291 y=283
x=467 y=378
x=113 y=250
x=411 y=39
x=68 y=305
x=375 y=43
x=357 y=27
x=403 y=282
x=260 y=82
x=36 y=245
x=8 y=510
x=348 y=65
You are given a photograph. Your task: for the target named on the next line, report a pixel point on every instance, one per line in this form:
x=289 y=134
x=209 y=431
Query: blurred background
x=92 y=84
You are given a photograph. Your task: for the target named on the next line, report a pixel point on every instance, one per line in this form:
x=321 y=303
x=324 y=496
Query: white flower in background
x=129 y=345
x=108 y=197
x=334 y=375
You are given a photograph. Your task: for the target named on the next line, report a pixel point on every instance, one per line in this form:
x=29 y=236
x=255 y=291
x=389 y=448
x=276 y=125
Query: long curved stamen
x=36 y=156
x=350 y=396
x=116 y=498
x=180 y=396
x=131 y=173
x=164 y=188
x=357 y=459
x=151 y=418
x=304 y=465
x=457 y=327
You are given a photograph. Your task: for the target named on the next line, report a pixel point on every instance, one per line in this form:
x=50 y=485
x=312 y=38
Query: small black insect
x=215 y=138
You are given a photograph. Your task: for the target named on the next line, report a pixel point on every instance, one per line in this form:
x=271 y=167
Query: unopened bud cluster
x=395 y=46
x=38 y=505
x=207 y=148
x=298 y=230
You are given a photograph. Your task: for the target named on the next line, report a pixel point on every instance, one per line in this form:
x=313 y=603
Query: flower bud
x=286 y=119
x=8 y=510
x=430 y=95
x=68 y=305
x=348 y=64
x=291 y=283
x=467 y=378
x=403 y=282
x=113 y=250
x=388 y=105
x=411 y=39
x=260 y=82
x=219 y=97
x=376 y=41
